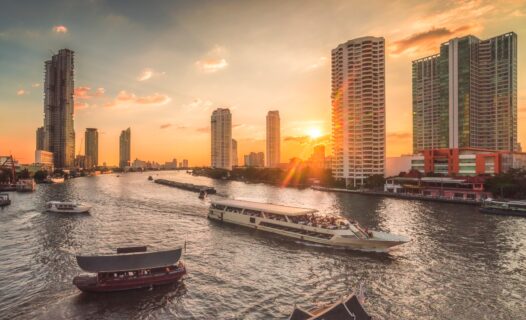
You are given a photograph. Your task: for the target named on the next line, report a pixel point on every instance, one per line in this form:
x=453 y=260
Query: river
x=460 y=264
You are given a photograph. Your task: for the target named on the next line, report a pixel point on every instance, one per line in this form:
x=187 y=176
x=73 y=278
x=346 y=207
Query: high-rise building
x=40 y=139
x=91 y=143
x=59 y=133
x=255 y=159
x=273 y=139
x=221 y=125
x=185 y=163
x=466 y=96
x=125 y=148
x=358 y=109
x=234 y=153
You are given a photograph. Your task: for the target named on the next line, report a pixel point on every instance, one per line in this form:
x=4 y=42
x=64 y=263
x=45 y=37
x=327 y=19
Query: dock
x=186 y=186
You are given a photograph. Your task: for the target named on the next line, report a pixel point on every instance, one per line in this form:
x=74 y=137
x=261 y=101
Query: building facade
x=91 y=144
x=125 y=148
x=185 y=163
x=358 y=109
x=466 y=96
x=255 y=159
x=40 y=139
x=221 y=146
x=44 y=159
x=273 y=139
x=234 y=153
x=59 y=133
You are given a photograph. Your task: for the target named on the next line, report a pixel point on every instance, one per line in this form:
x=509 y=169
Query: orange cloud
x=211 y=65
x=166 y=125
x=426 y=40
x=85 y=93
x=125 y=97
x=60 y=29
x=80 y=105
x=21 y=92
x=203 y=129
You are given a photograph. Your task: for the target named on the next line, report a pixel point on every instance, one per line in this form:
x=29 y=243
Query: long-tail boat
x=130 y=268
x=348 y=308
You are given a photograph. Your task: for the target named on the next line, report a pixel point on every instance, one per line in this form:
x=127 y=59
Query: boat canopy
x=127 y=262
x=348 y=309
x=265 y=207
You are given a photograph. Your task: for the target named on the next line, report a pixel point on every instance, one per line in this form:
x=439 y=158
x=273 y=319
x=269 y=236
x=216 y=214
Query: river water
x=460 y=264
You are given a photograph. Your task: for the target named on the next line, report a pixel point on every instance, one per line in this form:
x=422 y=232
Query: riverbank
x=398 y=195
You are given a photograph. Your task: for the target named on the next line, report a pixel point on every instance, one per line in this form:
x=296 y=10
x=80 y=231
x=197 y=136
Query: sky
x=162 y=67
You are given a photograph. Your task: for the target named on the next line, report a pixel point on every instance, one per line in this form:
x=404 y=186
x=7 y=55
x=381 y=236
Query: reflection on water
x=459 y=265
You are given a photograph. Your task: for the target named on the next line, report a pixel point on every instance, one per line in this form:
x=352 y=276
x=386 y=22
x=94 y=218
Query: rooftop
x=266 y=207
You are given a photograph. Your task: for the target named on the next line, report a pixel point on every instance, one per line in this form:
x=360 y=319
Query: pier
x=186 y=186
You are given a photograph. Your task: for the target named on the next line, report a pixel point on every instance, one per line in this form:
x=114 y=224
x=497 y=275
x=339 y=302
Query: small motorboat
x=4 y=200
x=66 y=207
x=56 y=179
x=131 y=268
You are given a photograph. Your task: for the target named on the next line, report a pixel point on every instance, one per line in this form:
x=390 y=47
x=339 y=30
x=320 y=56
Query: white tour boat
x=66 y=207
x=304 y=224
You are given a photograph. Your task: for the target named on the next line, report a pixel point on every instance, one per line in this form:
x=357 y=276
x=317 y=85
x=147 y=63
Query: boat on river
x=303 y=224
x=348 y=308
x=508 y=208
x=56 y=180
x=66 y=207
x=131 y=268
x=4 y=200
x=25 y=185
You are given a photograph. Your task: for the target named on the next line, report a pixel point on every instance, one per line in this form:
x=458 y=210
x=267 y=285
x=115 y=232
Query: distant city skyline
x=164 y=72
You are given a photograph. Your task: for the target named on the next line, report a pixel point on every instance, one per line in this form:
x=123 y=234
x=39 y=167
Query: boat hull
x=378 y=243
x=90 y=284
x=79 y=210
x=503 y=212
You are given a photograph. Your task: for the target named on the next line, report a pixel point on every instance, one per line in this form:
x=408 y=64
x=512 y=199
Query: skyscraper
x=91 y=143
x=59 y=133
x=466 y=96
x=125 y=148
x=234 y=153
x=273 y=139
x=221 y=125
x=40 y=139
x=358 y=109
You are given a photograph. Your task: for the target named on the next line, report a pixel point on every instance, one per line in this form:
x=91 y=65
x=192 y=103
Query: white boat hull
x=80 y=209
x=379 y=242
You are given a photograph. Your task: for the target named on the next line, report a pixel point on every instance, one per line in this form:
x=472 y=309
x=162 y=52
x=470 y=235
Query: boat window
x=233 y=209
x=252 y=213
x=218 y=206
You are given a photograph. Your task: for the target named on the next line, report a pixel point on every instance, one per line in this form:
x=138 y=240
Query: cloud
x=211 y=65
x=518 y=13
x=128 y=98
x=213 y=61
x=166 y=125
x=85 y=93
x=80 y=105
x=21 y=92
x=35 y=85
x=60 y=29
x=319 y=63
x=148 y=73
x=203 y=129
x=426 y=40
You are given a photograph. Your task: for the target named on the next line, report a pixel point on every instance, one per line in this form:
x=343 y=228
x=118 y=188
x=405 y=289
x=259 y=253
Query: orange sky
x=163 y=73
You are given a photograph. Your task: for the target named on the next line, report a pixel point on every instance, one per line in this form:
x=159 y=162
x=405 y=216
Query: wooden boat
x=4 y=200
x=131 y=268
x=349 y=308
x=507 y=208
x=66 y=207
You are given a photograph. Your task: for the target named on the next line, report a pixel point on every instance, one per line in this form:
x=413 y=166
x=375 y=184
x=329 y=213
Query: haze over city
x=163 y=69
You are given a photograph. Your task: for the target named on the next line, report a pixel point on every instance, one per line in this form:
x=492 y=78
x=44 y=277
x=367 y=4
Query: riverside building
x=358 y=109
x=466 y=95
x=59 y=133
x=221 y=146
x=273 y=139
x=91 y=142
x=125 y=148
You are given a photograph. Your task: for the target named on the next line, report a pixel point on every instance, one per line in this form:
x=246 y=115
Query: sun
x=314 y=133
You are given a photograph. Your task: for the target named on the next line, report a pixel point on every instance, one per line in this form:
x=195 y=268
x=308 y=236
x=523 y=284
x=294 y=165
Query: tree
x=376 y=181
